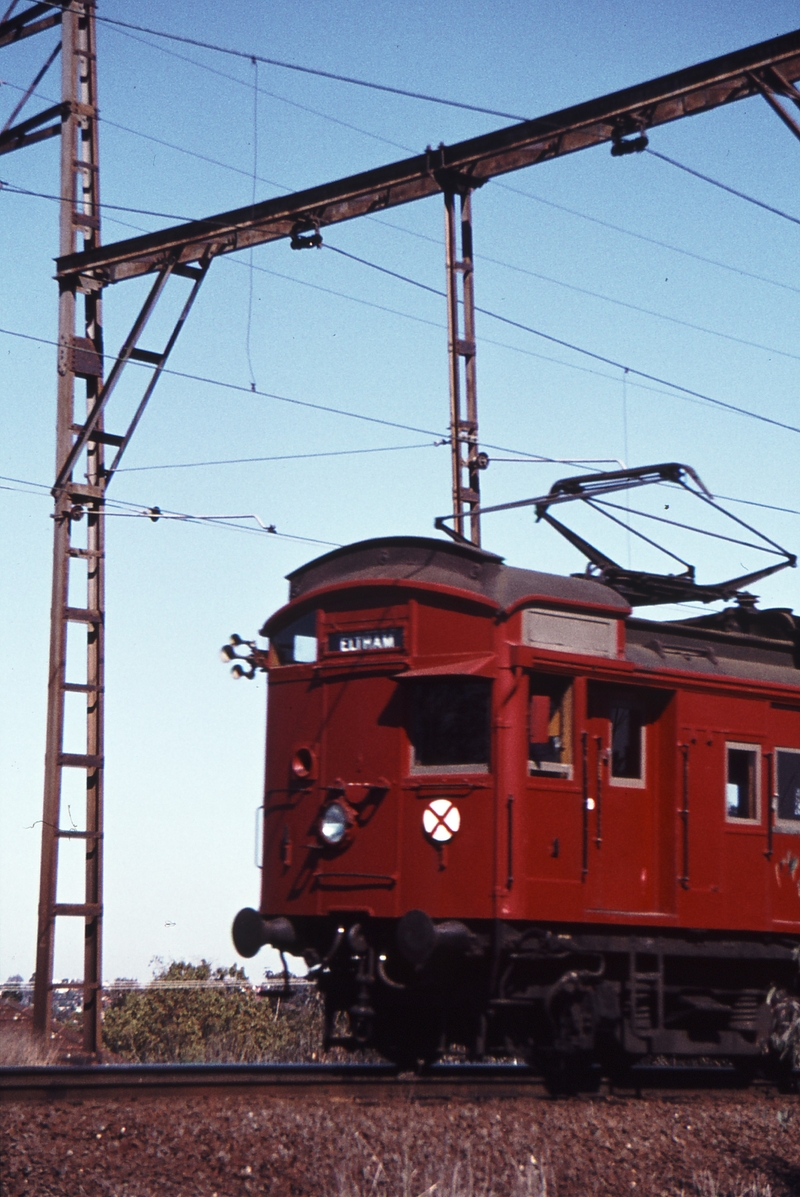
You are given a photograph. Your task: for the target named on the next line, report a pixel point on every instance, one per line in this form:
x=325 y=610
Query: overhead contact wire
x=618 y=228
x=234 y=386
x=141 y=511
x=742 y=195
x=13 y=188
x=293 y=66
x=608 y=361
x=186 y=465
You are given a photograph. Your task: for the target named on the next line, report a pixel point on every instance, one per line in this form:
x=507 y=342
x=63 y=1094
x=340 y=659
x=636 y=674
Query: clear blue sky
x=184 y=743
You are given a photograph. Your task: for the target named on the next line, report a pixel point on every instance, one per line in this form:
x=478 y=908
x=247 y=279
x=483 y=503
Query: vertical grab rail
x=510 y=860
x=585 y=803
x=598 y=835
x=768 y=757
x=684 y=879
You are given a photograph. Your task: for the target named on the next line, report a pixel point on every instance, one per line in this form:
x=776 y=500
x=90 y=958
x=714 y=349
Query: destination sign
x=365 y=642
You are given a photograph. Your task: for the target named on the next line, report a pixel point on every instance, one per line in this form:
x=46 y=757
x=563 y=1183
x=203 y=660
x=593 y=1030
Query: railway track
x=362 y=1081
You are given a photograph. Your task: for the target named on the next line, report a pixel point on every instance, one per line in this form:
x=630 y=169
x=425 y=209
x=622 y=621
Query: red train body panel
x=521 y=772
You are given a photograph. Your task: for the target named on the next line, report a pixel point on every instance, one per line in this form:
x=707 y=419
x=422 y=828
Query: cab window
x=295 y=643
x=550 y=721
x=450 y=725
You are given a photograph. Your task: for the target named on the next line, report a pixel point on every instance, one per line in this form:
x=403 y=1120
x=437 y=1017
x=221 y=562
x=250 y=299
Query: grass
x=19 y=1048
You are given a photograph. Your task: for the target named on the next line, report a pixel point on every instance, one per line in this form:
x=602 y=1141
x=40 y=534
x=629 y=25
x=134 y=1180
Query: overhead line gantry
x=186 y=251
x=622 y=118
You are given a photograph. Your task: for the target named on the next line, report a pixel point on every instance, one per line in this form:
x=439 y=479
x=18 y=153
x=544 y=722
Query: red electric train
x=505 y=813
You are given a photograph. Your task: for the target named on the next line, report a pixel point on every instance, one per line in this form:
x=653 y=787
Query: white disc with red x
x=441 y=820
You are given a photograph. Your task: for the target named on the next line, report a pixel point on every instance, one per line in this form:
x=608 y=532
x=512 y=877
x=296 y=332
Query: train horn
x=418 y=937
x=251 y=932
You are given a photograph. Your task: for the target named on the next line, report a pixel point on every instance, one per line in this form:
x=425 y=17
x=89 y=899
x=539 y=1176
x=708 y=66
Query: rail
x=366 y=1080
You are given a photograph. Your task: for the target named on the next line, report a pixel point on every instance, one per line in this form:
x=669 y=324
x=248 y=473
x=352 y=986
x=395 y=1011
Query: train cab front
x=378 y=800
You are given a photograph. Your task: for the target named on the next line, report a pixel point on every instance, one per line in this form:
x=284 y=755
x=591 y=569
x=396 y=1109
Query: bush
x=228 y=1022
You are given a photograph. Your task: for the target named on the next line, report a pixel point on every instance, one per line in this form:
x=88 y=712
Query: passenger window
x=788 y=769
x=450 y=725
x=627 y=743
x=296 y=643
x=741 y=781
x=550 y=725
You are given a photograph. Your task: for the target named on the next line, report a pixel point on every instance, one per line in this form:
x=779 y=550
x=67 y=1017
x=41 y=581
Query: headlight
x=333 y=824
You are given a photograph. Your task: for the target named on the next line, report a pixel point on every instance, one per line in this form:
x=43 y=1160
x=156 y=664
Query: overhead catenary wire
x=372 y=85
x=689 y=170
x=221 y=521
x=171 y=145
x=44 y=489
x=315 y=407
x=675 y=387
x=576 y=348
x=305 y=70
x=234 y=386
x=15 y=189
x=771 y=349
x=694 y=395
x=543 y=357
x=123 y=508
x=662 y=382
x=618 y=228
x=126 y=509
x=335 y=120
x=766 y=506
x=352 y=80
x=566 y=344
x=546 y=278
x=623 y=303
x=188 y=465
x=233 y=261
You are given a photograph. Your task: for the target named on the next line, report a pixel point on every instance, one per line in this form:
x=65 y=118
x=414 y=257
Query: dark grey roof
x=447 y=563
x=715 y=647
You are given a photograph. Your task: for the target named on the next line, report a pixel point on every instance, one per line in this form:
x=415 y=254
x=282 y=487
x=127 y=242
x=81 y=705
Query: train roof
x=740 y=641
x=443 y=562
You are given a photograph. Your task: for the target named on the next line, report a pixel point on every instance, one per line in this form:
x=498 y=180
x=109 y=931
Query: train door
x=553 y=822
x=727 y=771
x=699 y=825
x=359 y=767
x=627 y=774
